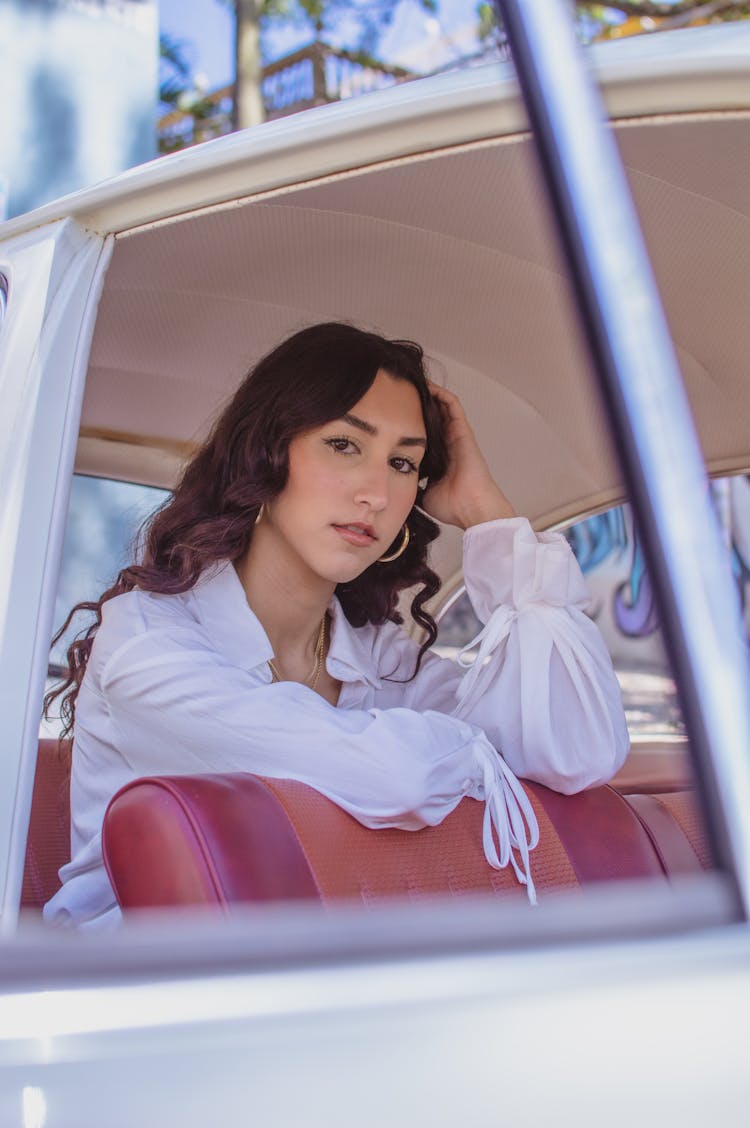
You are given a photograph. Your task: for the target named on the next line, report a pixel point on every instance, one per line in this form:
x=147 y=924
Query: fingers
x=442 y=393
x=453 y=412
x=448 y=400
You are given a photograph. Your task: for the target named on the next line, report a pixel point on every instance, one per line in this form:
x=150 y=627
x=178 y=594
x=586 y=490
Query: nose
x=372 y=487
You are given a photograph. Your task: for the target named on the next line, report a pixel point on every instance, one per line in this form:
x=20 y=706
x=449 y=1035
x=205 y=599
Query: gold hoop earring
x=395 y=555
x=260 y=514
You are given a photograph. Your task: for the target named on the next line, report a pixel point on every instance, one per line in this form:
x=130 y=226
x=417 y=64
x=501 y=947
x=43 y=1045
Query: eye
x=342 y=445
x=404 y=465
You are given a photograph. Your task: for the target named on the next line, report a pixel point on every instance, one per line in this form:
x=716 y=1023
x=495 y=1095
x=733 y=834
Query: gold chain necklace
x=320 y=646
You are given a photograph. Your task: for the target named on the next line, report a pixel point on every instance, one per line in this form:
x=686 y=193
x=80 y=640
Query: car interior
x=452 y=247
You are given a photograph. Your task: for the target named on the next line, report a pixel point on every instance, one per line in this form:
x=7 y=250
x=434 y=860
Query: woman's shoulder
x=136 y=611
x=138 y=615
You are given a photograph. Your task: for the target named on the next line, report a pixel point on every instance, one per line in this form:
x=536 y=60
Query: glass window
x=622 y=604
x=609 y=553
x=103 y=522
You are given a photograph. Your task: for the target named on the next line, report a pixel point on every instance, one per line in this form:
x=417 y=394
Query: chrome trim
x=4 y=291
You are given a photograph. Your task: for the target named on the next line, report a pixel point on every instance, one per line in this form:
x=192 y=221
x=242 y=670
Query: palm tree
x=178 y=90
x=175 y=72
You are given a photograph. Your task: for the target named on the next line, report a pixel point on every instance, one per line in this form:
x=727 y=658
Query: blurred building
x=78 y=79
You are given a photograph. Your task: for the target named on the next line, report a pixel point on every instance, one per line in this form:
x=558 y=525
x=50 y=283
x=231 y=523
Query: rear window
x=622 y=604
x=100 y=538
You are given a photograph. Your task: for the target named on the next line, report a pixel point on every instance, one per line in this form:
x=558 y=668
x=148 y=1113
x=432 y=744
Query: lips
x=357 y=533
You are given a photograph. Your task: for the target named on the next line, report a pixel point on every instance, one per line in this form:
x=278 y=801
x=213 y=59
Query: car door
x=53 y=276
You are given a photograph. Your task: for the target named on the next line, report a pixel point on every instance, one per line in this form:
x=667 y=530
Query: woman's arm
x=467 y=494
x=542 y=686
x=176 y=706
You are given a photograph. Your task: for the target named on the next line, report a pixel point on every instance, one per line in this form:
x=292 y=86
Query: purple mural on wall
x=633 y=604
x=607 y=536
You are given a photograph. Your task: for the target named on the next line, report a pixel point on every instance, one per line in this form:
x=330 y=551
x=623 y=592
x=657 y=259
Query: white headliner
x=418 y=212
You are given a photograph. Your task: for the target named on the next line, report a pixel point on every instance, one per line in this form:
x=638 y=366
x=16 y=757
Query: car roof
x=419 y=212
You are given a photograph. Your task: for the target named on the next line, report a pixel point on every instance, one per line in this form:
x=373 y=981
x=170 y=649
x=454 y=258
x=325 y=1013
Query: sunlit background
x=96 y=86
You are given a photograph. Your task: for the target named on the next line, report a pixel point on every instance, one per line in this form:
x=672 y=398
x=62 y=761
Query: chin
x=345 y=573
x=349 y=576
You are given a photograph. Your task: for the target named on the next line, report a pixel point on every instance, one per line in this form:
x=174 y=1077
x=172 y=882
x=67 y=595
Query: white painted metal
x=623 y=1034
x=55 y=276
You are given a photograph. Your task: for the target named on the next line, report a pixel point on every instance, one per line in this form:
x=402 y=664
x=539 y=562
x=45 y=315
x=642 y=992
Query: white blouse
x=180 y=684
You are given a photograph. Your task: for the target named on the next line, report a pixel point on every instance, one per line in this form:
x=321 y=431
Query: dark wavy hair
x=312 y=378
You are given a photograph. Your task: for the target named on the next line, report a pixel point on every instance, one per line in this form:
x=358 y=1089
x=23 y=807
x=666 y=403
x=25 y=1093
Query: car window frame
x=56 y=511
x=55 y=276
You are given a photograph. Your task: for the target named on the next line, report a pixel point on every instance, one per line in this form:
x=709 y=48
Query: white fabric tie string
x=508 y=810
x=507 y=806
x=488 y=640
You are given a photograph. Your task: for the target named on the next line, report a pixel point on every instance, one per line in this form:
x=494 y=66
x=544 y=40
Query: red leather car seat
x=48 y=841
x=225 y=839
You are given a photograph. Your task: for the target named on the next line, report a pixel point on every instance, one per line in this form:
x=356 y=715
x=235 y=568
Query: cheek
x=409 y=489
x=401 y=505
x=321 y=476
x=312 y=477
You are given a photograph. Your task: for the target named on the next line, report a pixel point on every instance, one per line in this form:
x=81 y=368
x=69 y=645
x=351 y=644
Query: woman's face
x=351 y=483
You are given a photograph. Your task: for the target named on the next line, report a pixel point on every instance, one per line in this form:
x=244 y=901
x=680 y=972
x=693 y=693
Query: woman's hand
x=468 y=494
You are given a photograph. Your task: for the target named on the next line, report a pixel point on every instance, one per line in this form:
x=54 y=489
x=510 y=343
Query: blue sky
x=206 y=26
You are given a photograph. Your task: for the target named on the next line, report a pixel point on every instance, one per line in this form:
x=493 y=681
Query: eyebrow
x=363 y=425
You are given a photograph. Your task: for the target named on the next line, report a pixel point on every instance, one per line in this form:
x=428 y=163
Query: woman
x=260 y=631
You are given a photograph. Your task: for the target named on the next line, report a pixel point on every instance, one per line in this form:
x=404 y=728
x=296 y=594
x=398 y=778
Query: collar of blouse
x=218 y=602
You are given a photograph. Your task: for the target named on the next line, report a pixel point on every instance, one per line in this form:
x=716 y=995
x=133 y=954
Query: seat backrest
x=674 y=824
x=226 y=839
x=48 y=842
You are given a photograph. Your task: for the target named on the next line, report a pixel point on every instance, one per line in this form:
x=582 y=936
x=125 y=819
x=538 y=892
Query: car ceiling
x=452 y=249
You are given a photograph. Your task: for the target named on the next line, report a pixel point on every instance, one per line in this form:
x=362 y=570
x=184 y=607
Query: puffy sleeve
x=176 y=706
x=539 y=680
